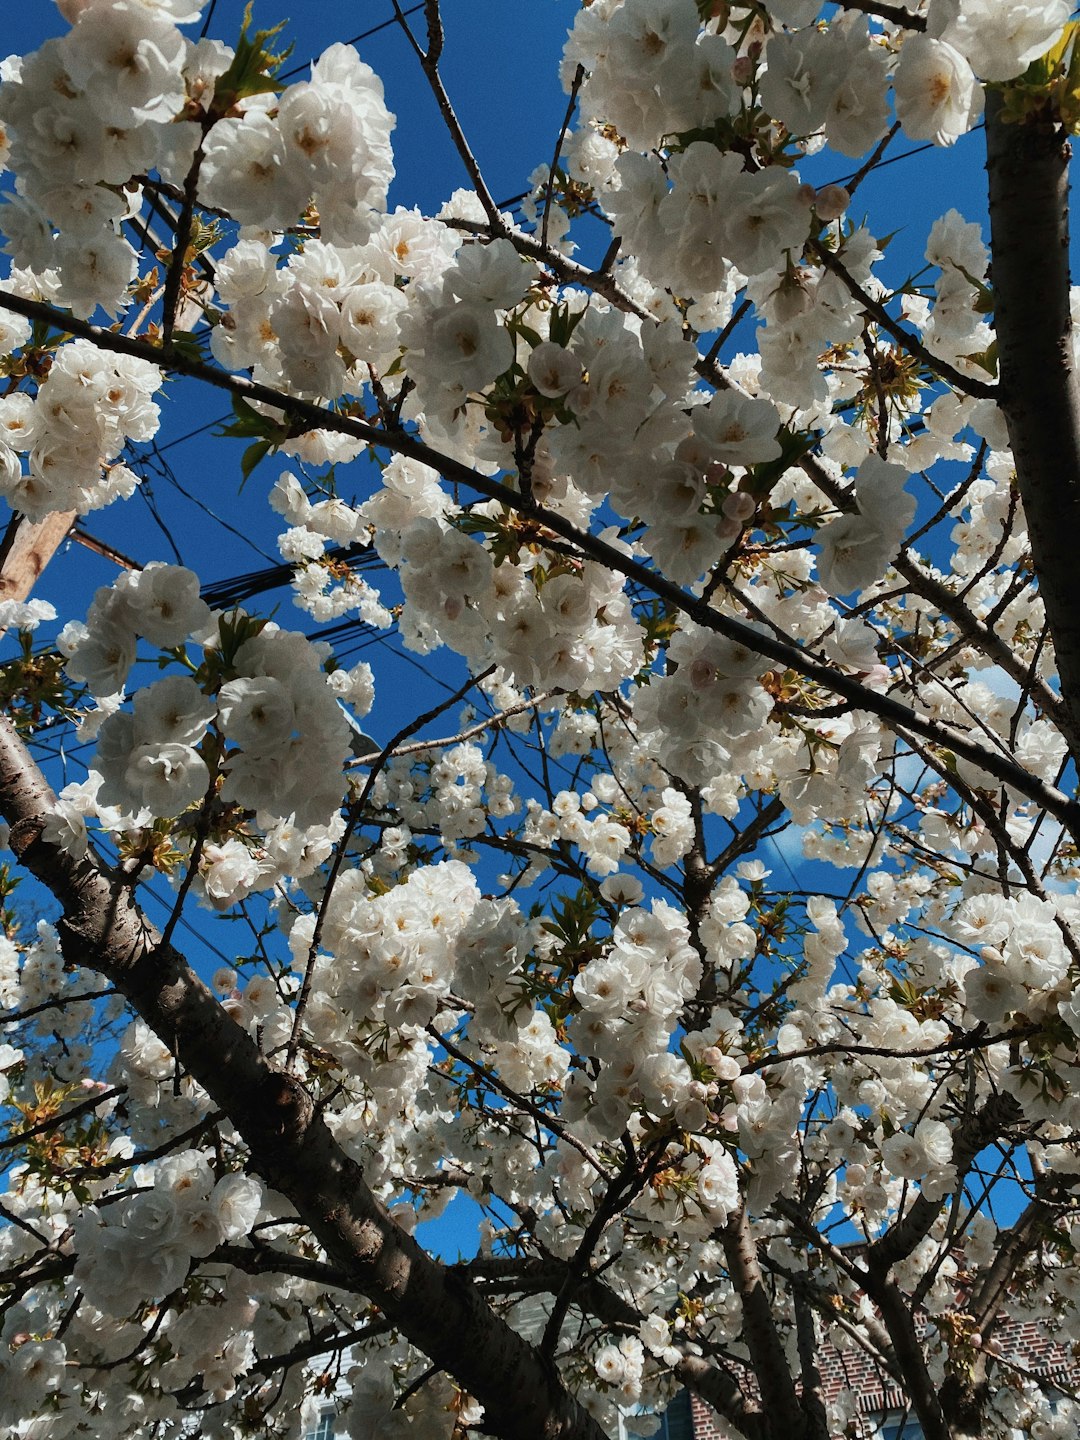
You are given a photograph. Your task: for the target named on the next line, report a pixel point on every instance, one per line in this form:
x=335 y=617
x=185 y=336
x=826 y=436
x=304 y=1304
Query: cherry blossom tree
x=742 y=553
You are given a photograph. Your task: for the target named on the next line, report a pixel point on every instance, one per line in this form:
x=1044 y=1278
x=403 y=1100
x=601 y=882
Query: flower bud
x=738 y=506
x=831 y=201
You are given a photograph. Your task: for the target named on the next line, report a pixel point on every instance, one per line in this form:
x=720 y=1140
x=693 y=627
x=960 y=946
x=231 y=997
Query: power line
x=208 y=21
x=354 y=40
x=191 y=434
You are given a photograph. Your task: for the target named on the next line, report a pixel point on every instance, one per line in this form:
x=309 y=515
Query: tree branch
x=429 y=63
x=438 y=1310
x=993 y=1117
x=62 y=1117
x=966 y=384
x=895 y=14
x=545 y=1276
x=900 y=1324
x=1028 y=169
x=27 y=547
x=892 y=712
x=782 y=1413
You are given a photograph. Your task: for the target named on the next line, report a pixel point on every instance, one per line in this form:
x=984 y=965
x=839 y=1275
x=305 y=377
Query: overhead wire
x=353 y=40
x=151 y=458
x=234 y=588
x=209 y=20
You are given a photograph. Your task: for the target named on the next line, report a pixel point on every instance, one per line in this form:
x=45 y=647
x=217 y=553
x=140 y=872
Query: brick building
x=881 y=1408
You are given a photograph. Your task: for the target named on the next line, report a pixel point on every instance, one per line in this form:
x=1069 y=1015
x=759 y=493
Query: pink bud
x=739 y=505
x=831 y=201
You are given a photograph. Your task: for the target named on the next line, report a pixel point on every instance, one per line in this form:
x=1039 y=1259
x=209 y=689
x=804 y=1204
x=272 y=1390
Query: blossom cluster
x=125 y=92
x=260 y=713
x=323 y=142
x=142 y=1249
x=86 y=410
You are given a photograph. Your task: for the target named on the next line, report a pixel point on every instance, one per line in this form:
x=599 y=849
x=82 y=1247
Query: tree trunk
x=1027 y=165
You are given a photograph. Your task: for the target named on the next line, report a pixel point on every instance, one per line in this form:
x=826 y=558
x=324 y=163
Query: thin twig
x=53 y=1122
x=491 y=722
x=966 y=384
x=873 y=159
x=575 y=87
x=429 y=63
x=549 y=1122
x=178 y=262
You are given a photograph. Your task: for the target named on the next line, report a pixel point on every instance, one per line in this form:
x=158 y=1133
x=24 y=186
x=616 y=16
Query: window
x=899 y=1425
x=324 y=1430
x=676 y=1422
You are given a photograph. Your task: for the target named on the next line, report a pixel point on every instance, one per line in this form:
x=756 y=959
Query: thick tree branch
x=900 y=1323
x=812 y=1395
x=546 y=1276
x=440 y=1312
x=967 y=1388
x=892 y=712
x=1028 y=165
x=783 y=1416
x=267 y=1260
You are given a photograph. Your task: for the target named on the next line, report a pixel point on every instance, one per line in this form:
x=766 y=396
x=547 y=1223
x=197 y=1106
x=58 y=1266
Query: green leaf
x=251 y=457
x=794 y=444
x=984 y=305
x=189 y=345
x=1043 y=69
x=250 y=422
x=987 y=360
x=234 y=630
x=562 y=323
x=266 y=433
x=253 y=67
x=525 y=331
x=1069 y=96
x=885 y=241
